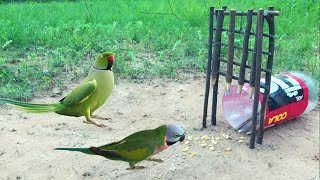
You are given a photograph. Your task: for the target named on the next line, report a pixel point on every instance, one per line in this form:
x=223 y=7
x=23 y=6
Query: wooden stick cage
x=214 y=68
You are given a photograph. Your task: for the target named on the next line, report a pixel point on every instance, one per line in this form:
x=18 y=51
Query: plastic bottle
x=291 y=94
x=313 y=87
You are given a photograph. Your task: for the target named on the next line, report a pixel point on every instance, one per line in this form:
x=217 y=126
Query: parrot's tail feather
x=83 y=150
x=34 y=108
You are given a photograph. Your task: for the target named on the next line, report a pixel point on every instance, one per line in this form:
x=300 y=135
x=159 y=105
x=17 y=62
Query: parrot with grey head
x=85 y=98
x=138 y=146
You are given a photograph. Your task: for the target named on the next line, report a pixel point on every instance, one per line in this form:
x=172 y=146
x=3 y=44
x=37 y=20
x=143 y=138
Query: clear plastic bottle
x=313 y=87
x=291 y=94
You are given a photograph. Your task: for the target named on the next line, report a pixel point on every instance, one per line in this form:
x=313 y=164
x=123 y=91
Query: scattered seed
x=214 y=142
x=206 y=138
x=203 y=145
x=185 y=149
x=190 y=138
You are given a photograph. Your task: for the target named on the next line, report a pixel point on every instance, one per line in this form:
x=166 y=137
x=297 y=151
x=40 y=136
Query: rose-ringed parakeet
x=138 y=146
x=85 y=98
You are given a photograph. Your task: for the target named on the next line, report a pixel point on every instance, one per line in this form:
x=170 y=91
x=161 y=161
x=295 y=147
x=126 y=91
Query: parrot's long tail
x=34 y=108
x=83 y=150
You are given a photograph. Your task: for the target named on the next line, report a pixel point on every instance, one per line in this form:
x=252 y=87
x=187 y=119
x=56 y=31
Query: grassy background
x=45 y=45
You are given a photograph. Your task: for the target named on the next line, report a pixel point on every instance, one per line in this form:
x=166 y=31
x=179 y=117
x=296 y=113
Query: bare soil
x=289 y=151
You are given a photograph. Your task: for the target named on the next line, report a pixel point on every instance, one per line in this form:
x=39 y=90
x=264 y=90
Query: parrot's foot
x=135 y=167
x=155 y=160
x=99 y=117
x=91 y=122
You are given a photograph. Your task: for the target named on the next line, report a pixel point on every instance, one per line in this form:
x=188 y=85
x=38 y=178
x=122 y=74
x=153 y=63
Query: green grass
x=46 y=45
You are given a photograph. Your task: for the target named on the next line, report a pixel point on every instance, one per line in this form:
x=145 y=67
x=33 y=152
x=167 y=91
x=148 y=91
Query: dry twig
x=159 y=13
x=2 y=153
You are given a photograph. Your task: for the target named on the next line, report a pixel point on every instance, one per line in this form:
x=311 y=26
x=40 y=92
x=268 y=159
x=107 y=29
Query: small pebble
x=86 y=174
x=211 y=148
x=228 y=137
x=228 y=149
x=172 y=168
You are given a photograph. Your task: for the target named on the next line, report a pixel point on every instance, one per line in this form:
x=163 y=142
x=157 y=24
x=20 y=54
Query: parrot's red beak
x=110 y=59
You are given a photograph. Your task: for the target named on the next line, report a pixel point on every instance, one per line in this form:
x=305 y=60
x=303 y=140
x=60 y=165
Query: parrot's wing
x=136 y=150
x=80 y=93
x=130 y=150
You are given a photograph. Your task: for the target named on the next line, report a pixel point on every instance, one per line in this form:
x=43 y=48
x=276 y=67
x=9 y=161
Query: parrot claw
x=155 y=160
x=135 y=167
x=101 y=118
x=91 y=122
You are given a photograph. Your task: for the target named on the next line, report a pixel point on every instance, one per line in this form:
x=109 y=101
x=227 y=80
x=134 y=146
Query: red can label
x=288 y=98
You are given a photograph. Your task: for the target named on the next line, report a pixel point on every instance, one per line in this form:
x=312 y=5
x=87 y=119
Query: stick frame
x=215 y=59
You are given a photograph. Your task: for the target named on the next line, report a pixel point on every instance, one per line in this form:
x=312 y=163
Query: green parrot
x=138 y=146
x=85 y=98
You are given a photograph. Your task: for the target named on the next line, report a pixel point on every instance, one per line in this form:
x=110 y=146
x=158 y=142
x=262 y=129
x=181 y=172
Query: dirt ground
x=290 y=150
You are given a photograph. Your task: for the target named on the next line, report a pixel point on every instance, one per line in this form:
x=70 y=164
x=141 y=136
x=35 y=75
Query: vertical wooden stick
x=230 y=49
x=263 y=115
x=253 y=65
x=206 y=97
x=270 y=20
x=253 y=71
x=216 y=65
x=244 y=57
x=217 y=47
x=259 y=39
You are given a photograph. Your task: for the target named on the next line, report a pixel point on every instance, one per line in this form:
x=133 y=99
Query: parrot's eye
x=176 y=135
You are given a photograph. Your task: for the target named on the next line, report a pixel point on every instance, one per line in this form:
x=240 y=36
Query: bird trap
x=228 y=55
